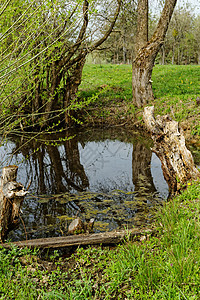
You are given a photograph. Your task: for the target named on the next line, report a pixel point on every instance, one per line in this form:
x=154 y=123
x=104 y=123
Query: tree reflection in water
x=143 y=181
x=107 y=177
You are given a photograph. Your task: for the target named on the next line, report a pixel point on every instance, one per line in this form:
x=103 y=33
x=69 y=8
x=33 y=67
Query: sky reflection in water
x=111 y=176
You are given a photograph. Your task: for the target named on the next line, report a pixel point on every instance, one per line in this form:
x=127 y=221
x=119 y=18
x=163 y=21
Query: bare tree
x=143 y=63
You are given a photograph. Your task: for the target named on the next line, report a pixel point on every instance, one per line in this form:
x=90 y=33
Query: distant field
x=167 y=80
x=117 y=77
x=175 y=88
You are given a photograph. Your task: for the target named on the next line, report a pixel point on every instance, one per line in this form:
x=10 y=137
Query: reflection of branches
x=76 y=169
x=52 y=169
x=56 y=170
x=41 y=179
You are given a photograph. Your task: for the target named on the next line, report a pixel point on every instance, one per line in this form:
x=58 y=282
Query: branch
x=5 y=5
x=107 y=33
x=157 y=40
x=85 y=23
x=79 y=40
x=164 y=20
x=66 y=61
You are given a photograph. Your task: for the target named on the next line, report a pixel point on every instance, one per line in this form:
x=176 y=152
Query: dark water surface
x=110 y=175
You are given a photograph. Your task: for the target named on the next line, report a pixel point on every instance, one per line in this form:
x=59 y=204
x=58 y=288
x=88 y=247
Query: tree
x=182 y=39
x=197 y=39
x=143 y=63
x=118 y=48
x=48 y=53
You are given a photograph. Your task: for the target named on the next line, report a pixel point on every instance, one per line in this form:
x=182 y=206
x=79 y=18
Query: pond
x=109 y=175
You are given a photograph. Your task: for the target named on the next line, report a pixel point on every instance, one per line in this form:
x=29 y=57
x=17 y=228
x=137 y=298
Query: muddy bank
x=122 y=115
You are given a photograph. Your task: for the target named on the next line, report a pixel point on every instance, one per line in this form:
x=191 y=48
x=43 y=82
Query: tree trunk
x=162 y=52
x=124 y=50
x=163 y=57
x=141 y=82
x=71 y=88
x=173 y=54
x=169 y=145
x=199 y=58
x=142 y=65
x=11 y=197
x=56 y=77
x=142 y=25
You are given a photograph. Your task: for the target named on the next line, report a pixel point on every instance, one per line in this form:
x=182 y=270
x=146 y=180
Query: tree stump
x=11 y=197
x=169 y=145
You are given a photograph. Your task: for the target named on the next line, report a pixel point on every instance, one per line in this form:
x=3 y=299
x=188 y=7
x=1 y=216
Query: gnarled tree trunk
x=142 y=65
x=71 y=88
x=169 y=145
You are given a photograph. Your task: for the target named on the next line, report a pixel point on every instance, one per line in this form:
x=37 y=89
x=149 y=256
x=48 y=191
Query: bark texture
x=169 y=145
x=142 y=25
x=11 y=197
x=112 y=237
x=142 y=65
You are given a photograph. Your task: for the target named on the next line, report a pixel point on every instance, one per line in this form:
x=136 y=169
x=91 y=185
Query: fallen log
x=11 y=197
x=169 y=145
x=112 y=237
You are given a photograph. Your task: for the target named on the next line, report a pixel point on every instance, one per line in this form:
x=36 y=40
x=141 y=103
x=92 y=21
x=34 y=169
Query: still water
x=111 y=176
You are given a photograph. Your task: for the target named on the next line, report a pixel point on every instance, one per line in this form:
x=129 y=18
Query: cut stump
x=169 y=145
x=11 y=197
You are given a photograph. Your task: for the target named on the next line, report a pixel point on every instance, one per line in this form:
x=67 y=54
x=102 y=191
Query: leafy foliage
x=43 y=49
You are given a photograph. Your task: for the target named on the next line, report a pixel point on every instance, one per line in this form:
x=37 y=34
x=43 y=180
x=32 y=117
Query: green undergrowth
x=175 y=88
x=164 y=265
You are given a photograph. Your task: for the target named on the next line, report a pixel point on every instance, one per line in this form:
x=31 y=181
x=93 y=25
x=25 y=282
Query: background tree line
x=182 y=41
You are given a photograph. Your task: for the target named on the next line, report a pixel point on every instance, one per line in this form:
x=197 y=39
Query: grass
x=175 y=88
x=164 y=266
x=117 y=77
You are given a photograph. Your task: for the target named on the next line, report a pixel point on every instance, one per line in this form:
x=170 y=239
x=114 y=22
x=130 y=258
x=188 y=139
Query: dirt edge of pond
x=120 y=116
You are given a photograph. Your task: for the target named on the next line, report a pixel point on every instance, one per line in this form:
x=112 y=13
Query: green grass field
x=175 y=88
x=182 y=82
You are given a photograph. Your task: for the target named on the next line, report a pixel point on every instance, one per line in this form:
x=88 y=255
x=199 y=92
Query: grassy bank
x=175 y=88
x=163 y=266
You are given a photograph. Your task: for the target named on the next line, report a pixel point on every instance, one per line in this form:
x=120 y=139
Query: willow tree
x=44 y=48
x=147 y=50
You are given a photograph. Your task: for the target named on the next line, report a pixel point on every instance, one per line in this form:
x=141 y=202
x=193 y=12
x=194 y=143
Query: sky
x=194 y=3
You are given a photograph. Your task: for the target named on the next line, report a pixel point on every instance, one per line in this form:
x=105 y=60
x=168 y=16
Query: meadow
x=163 y=265
x=175 y=89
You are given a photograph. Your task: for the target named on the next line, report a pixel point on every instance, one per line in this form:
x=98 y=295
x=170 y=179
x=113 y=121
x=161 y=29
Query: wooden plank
x=112 y=237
